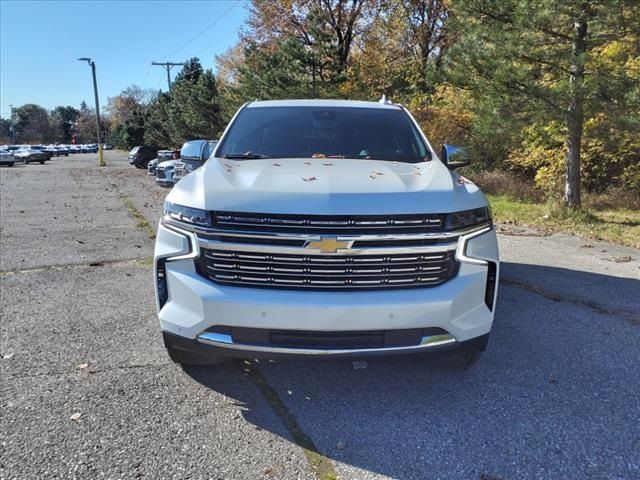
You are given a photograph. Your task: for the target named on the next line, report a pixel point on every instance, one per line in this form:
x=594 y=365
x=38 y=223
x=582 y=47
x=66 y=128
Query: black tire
x=193 y=359
x=41 y=162
x=11 y=164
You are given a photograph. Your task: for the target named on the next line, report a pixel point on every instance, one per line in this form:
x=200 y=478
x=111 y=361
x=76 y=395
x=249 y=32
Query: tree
x=31 y=124
x=63 y=123
x=157 y=130
x=5 y=131
x=132 y=102
x=85 y=126
x=540 y=50
x=317 y=24
x=194 y=108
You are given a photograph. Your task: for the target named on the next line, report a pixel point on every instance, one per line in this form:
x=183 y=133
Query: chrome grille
x=327 y=272
x=329 y=224
x=180 y=170
x=160 y=172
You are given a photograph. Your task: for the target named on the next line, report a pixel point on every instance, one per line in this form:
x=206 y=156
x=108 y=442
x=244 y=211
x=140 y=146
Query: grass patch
x=142 y=221
x=619 y=225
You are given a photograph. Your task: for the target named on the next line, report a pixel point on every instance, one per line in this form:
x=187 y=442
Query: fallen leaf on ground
x=623 y=259
x=8 y=356
x=82 y=366
x=75 y=416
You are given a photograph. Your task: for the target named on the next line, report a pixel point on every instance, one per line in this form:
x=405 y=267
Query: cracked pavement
x=557 y=395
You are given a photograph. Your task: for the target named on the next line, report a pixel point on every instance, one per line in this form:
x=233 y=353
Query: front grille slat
x=329 y=225
x=340 y=272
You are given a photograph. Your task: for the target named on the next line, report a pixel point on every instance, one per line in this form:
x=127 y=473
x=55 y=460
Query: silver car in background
x=32 y=155
x=193 y=155
x=164 y=173
x=163 y=156
x=7 y=158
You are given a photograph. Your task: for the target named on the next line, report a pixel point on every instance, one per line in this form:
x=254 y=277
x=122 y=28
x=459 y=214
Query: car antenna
x=383 y=100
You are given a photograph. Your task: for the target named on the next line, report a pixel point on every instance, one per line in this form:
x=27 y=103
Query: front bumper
x=194 y=305
x=165 y=179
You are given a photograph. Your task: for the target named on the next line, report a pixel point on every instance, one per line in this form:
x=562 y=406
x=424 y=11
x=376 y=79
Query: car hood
x=326 y=186
x=168 y=163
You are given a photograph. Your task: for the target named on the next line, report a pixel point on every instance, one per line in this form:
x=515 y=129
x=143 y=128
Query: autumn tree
x=540 y=51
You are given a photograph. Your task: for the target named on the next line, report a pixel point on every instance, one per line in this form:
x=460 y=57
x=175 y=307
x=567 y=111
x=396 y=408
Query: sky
x=41 y=40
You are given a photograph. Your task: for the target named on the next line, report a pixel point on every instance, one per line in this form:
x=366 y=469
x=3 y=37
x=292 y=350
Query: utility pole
x=95 y=92
x=12 y=127
x=168 y=66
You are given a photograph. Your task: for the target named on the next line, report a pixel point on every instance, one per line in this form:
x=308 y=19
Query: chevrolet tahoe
x=325 y=228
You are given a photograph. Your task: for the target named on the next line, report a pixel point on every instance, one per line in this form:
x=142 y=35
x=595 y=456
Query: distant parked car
x=106 y=146
x=163 y=156
x=52 y=150
x=193 y=155
x=62 y=150
x=140 y=156
x=41 y=148
x=164 y=173
x=32 y=155
x=7 y=158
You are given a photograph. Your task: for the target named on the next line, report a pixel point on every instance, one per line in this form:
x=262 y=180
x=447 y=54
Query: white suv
x=325 y=228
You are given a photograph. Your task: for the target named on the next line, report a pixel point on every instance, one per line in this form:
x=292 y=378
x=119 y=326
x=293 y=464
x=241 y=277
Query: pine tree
x=538 y=51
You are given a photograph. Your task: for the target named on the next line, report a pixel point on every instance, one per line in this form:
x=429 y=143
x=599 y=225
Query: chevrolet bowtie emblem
x=328 y=244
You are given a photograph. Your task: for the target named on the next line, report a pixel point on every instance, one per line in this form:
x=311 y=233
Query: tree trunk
x=575 y=113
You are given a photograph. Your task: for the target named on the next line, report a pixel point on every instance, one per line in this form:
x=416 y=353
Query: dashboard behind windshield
x=324 y=132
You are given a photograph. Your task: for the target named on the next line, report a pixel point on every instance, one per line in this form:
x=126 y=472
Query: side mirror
x=454 y=156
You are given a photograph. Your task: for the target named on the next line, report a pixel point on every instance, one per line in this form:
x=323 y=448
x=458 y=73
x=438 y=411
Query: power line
x=214 y=43
x=146 y=75
x=203 y=31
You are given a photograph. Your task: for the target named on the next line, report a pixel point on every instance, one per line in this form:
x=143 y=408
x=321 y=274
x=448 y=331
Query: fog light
x=162 y=291
x=490 y=290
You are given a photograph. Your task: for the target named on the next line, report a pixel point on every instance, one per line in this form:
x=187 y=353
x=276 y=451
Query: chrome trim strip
x=266 y=248
x=226 y=341
x=303 y=237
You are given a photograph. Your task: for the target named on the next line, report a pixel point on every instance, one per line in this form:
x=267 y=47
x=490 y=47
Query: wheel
x=41 y=162
x=11 y=164
x=192 y=359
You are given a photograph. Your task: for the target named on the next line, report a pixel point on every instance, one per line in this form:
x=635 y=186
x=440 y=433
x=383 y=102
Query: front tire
x=11 y=164
x=41 y=162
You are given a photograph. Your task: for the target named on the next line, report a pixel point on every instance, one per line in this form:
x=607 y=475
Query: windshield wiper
x=245 y=155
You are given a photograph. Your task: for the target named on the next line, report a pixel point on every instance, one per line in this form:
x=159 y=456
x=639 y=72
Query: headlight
x=479 y=217
x=190 y=215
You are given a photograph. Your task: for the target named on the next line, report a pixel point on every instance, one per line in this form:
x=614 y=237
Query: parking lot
x=89 y=392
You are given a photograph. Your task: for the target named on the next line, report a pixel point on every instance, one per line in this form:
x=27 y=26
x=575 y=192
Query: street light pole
x=95 y=92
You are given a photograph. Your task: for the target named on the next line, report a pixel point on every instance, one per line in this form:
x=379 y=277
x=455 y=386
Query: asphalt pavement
x=87 y=390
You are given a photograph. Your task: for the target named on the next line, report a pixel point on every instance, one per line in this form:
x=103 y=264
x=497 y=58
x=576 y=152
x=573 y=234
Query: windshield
x=324 y=132
x=191 y=149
